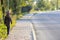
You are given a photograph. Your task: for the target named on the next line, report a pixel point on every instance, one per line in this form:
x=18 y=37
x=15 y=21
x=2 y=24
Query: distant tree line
x=48 y=5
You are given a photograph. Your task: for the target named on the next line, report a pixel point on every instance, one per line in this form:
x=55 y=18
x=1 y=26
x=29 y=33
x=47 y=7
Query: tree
x=41 y=4
x=3 y=9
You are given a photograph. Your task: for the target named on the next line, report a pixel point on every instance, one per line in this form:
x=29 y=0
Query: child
x=7 y=21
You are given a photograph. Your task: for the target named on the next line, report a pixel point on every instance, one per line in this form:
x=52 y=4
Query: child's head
x=7 y=13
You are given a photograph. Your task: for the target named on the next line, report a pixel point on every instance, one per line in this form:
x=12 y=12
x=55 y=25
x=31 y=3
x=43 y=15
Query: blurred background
x=18 y=8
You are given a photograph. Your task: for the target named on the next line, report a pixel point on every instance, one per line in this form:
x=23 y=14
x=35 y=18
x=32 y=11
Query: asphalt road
x=37 y=26
x=47 y=25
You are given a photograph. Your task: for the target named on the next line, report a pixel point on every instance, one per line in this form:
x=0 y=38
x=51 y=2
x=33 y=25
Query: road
x=46 y=25
x=37 y=26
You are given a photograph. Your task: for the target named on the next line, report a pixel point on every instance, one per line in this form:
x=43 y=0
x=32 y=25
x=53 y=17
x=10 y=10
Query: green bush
x=3 y=31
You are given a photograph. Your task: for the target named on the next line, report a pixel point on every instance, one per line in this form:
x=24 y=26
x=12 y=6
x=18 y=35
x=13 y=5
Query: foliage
x=41 y=4
x=2 y=27
x=48 y=5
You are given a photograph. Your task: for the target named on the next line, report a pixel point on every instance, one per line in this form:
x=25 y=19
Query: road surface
x=37 y=26
x=47 y=25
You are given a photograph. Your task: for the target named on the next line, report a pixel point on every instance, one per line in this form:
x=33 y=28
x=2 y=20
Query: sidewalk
x=22 y=31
